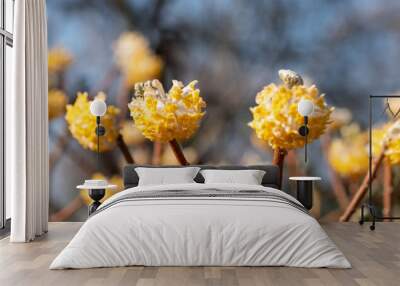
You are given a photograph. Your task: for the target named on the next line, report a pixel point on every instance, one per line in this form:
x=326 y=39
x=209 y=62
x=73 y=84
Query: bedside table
x=96 y=194
x=304 y=192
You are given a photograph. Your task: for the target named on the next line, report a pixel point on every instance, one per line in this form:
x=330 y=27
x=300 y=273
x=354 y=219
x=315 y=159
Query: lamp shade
x=305 y=107
x=98 y=107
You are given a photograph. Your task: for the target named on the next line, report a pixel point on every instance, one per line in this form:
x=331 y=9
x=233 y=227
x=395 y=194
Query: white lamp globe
x=305 y=107
x=98 y=107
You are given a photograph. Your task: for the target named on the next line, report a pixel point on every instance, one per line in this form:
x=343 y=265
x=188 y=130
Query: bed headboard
x=271 y=177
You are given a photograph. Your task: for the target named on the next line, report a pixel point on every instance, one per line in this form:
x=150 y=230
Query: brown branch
x=125 y=150
x=158 y=148
x=278 y=159
x=355 y=201
x=67 y=211
x=387 y=188
x=177 y=149
x=335 y=181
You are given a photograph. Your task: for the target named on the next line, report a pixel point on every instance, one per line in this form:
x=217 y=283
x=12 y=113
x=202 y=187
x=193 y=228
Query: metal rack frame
x=369 y=205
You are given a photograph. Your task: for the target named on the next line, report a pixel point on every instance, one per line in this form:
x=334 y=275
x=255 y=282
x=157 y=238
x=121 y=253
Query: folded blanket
x=206 y=194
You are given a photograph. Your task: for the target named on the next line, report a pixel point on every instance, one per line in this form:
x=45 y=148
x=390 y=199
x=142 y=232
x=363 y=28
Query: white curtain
x=27 y=166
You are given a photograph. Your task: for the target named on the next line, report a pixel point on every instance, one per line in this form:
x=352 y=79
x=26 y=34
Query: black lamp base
x=303 y=130
x=96 y=195
x=100 y=130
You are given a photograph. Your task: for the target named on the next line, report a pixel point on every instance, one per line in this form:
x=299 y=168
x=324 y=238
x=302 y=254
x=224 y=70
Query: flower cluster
x=276 y=119
x=164 y=116
x=57 y=100
x=59 y=59
x=135 y=59
x=348 y=155
x=114 y=180
x=82 y=124
x=388 y=137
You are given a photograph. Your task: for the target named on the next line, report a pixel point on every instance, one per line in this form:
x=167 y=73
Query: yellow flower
x=389 y=135
x=58 y=60
x=57 y=101
x=164 y=117
x=114 y=180
x=82 y=123
x=276 y=119
x=131 y=135
x=135 y=59
x=348 y=155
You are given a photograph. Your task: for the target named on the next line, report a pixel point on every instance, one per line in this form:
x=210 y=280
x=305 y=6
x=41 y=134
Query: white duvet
x=203 y=231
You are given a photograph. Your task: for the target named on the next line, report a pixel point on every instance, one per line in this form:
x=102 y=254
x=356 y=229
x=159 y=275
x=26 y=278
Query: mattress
x=201 y=225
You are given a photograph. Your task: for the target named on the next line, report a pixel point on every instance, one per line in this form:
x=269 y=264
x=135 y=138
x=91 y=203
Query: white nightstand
x=304 y=192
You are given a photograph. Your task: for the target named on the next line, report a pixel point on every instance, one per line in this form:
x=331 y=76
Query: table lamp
x=98 y=108
x=305 y=108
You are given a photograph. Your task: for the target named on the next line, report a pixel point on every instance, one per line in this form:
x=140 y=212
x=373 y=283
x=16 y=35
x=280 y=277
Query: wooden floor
x=375 y=257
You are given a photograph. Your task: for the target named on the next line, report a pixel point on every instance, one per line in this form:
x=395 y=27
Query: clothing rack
x=369 y=204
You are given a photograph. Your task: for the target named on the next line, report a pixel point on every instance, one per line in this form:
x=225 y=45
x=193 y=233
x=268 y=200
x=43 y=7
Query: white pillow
x=248 y=177
x=163 y=176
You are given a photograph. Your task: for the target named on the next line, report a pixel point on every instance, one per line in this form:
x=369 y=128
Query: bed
x=198 y=224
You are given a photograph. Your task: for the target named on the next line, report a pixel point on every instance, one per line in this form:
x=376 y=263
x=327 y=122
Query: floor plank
x=375 y=257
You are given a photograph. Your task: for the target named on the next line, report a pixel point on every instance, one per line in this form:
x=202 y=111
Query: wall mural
x=187 y=82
